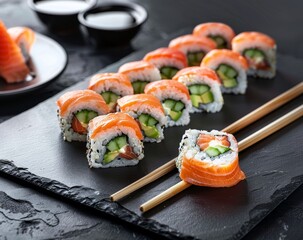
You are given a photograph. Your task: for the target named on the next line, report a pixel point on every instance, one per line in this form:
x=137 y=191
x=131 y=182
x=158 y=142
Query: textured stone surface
x=21 y=216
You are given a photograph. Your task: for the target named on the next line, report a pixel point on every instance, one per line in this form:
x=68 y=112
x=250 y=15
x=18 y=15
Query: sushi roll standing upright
x=204 y=88
x=169 y=61
x=195 y=48
x=149 y=113
x=175 y=100
x=140 y=73
x=13 y=59
x=231 y=68
x=259 y=51
x=76 y=109
x=111 y=86
x=24 y=37
x=221 y=33
x=114 y=140
x=209 y=159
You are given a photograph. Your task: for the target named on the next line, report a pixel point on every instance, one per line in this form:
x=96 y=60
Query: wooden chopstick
x=245 y=143
x=234 y=127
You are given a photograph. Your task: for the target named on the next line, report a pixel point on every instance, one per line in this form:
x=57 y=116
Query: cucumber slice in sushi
x=148 y=125
x=220 y=41
x=139 y=86
x=174 y=108
x=178 y=106
x=84 y=116
x=114 y=147
x=228 y=75
x=212 y=152
x=168 y=72
x=195 y=58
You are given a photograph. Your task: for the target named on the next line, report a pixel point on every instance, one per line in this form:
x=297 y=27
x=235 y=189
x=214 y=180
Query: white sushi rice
x=270 y=54
x=189 y=148
x=149 y=75
x=65 y=121
x=96 y=148
x=212 y=107
x=166 y=62
x=115 y=87
x=241 y=78
x=176 y=95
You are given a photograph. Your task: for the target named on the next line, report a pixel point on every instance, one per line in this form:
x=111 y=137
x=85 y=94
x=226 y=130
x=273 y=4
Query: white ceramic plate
x=48 y=60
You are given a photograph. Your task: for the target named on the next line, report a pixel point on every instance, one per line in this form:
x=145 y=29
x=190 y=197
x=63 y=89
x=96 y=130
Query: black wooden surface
x=85 y=61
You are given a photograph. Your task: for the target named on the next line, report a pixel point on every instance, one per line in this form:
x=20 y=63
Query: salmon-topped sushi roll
x=24 y=37
x=148 y=111
x=140 y=73
x=13 y=67
x=221 y=33
x=209 y=159
x=114 y=140
x=231 y=68
x=169 y=61
x=111 y=86
x=260 y=52
x=76 y=109
x=175 y=100
x=204 y=88
x=193 y=47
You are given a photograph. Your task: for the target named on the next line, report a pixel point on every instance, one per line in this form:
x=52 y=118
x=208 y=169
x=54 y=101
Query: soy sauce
x=111 y=19
x=61 y=6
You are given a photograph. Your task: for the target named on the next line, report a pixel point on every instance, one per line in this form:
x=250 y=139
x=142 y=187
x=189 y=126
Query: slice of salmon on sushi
x=24 y=37
x=175 y=100
x=259 y=50
x=209 y=159
x=231 y=68
x=148 y=111
x=140 y=73
x=111 y=86
x=13 y=66
x=193 y=47
x=221 y=33
x=169 y=61
x=76 y=109
x=114 y=140
x=204 y=88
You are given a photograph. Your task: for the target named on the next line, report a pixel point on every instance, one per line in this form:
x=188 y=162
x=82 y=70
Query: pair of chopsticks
x=236 y=126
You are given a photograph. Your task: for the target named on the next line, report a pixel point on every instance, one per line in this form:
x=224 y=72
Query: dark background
x=39 y=215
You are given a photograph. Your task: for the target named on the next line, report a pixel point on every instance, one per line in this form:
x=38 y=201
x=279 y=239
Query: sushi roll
x=148 y=111
x=175 y=100
x=231 y=68
x=76 y=109
x=24 y=37
x=259 y=51
x=204 y=88
x=193 y=47
x=114 y=140
x=209 y=159
x=111 y=86
x=140 y=73
x=221 y=33
x=169 y=61
x=13 y=59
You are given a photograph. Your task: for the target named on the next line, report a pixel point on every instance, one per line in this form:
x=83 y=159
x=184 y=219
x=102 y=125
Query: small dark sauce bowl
x=60 y=22
x=102 y=36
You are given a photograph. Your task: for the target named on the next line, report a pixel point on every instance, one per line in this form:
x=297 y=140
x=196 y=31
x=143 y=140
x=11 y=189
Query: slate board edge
x=89 y=197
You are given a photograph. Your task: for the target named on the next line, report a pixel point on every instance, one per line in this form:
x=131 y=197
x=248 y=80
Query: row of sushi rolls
x=119 y=111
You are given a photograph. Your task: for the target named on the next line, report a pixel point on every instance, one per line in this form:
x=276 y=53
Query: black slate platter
x=273 y=168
